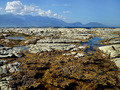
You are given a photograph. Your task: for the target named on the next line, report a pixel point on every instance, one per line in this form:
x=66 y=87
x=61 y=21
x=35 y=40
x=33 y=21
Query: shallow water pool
x=94 y=42
x=16 y=38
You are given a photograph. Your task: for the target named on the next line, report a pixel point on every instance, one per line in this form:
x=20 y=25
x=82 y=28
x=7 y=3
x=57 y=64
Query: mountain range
x=10 y=20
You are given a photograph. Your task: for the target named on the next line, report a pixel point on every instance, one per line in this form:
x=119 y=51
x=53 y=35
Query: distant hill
x=10 y=20
x=94 y=24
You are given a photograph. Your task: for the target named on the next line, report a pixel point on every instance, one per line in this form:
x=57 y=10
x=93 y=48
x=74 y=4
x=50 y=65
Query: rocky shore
x=55 y=58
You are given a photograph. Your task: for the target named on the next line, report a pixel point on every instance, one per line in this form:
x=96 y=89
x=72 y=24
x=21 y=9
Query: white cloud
x=55 y=14
x=44 y=13
x=28 y=10
x=16 y=7
x=0 y=9
x=66 y=11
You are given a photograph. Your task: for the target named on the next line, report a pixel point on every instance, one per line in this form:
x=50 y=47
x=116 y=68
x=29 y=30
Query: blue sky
x=103 y=11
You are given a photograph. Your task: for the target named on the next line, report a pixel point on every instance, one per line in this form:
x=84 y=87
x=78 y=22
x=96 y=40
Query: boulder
x=117 y=61
x=112 y=50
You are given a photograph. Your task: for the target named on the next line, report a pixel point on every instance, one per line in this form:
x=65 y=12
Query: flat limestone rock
x=41 y=47
x=58 y=41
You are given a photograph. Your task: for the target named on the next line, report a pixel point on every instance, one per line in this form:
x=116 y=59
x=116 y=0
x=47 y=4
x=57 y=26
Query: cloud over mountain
x=16 y=7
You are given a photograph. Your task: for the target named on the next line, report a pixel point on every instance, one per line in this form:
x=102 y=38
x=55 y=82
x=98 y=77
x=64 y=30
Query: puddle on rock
x=93 y=43
x=16 y=38
x=21 y=48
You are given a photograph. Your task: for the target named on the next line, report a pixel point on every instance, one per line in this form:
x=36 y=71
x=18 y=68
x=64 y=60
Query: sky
x=103 y=11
